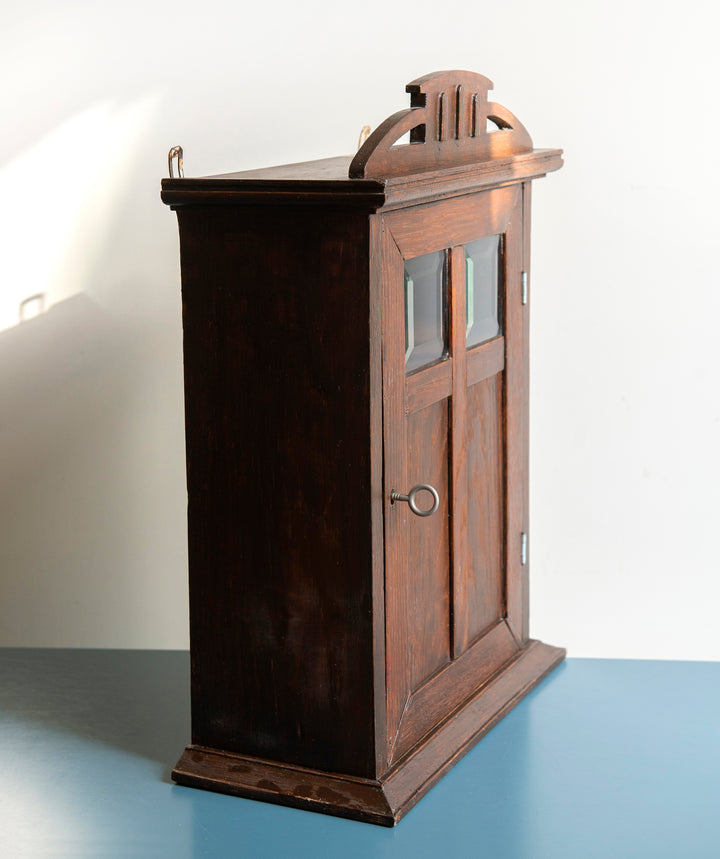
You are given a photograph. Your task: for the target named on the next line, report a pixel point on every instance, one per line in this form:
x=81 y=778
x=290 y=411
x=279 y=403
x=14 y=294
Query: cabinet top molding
x=450 y=122
x=460 y=143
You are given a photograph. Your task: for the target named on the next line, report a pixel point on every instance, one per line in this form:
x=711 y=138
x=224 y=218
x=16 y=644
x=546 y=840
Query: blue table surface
x=606 y=758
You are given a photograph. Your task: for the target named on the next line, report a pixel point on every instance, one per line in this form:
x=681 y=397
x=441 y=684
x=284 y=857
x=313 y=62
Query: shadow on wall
x=91 y=478
x=92 y=485
x=55 y=384
x=65 y=388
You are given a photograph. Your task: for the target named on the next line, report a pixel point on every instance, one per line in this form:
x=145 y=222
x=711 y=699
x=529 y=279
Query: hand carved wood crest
x=451 y=123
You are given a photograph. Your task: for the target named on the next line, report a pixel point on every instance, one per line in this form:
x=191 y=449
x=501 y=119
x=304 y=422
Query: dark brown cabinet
x=356 y=378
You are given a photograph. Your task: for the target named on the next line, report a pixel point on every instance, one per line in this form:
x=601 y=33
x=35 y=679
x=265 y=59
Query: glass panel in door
x=425 y=310
x=482 y=266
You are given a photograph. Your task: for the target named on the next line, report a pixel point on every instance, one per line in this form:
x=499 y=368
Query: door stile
x=458 y=461
x=377 y=493
x=526 y=204
x=395 y=470
x=515 y=423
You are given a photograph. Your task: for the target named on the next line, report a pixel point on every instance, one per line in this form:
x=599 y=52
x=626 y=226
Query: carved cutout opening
x=415 y=135
x=496 y=123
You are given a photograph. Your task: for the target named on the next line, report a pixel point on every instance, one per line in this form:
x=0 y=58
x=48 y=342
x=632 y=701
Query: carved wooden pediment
x=451 y=123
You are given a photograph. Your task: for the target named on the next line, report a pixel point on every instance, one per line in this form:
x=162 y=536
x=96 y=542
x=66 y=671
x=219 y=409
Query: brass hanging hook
x=364 y=134
x=176 y=152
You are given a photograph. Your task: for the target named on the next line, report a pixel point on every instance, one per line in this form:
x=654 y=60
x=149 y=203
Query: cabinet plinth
x=356 y=356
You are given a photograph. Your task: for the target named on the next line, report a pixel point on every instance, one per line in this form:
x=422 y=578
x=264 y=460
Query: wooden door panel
x=479 y=599
x=426 y=580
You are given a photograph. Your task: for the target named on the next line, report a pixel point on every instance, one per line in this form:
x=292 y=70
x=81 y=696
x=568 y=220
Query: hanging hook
x=176 y=152
x=364 y=134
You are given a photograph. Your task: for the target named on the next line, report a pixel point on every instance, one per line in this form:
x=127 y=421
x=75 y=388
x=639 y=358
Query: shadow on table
x=134 y=700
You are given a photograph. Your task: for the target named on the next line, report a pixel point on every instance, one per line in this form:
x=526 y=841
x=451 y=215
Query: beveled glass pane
x=482 y=266
x=425 y=310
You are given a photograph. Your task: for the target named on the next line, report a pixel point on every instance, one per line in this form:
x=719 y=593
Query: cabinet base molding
x=386 y=800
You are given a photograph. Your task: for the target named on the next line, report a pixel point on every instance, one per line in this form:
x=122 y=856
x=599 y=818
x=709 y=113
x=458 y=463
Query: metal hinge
x=523 y=548
x=524 y=282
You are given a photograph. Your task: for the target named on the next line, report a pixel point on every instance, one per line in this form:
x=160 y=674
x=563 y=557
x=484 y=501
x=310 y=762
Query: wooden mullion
x=485 y=361
x=426 y=387
x=458 y=465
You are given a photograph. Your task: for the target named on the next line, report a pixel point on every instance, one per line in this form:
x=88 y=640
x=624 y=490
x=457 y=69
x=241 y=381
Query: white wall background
x=625 y=298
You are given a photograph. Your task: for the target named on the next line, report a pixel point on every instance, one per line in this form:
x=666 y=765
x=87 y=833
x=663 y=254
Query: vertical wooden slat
x=377 y=493
x=395 y=446
x=458 y=481
x=526 y=204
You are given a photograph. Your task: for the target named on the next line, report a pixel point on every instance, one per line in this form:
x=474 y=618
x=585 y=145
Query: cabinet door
x=454 y=417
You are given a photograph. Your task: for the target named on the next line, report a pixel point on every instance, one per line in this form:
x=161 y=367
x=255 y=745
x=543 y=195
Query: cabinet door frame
x=449 y=225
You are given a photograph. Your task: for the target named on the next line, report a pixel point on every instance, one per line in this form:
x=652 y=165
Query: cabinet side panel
x=276 y=343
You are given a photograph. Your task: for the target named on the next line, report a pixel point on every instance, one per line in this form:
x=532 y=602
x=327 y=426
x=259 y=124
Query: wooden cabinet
x=356 y=328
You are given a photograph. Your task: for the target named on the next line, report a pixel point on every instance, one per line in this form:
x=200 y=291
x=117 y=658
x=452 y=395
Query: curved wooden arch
x=448 y=124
